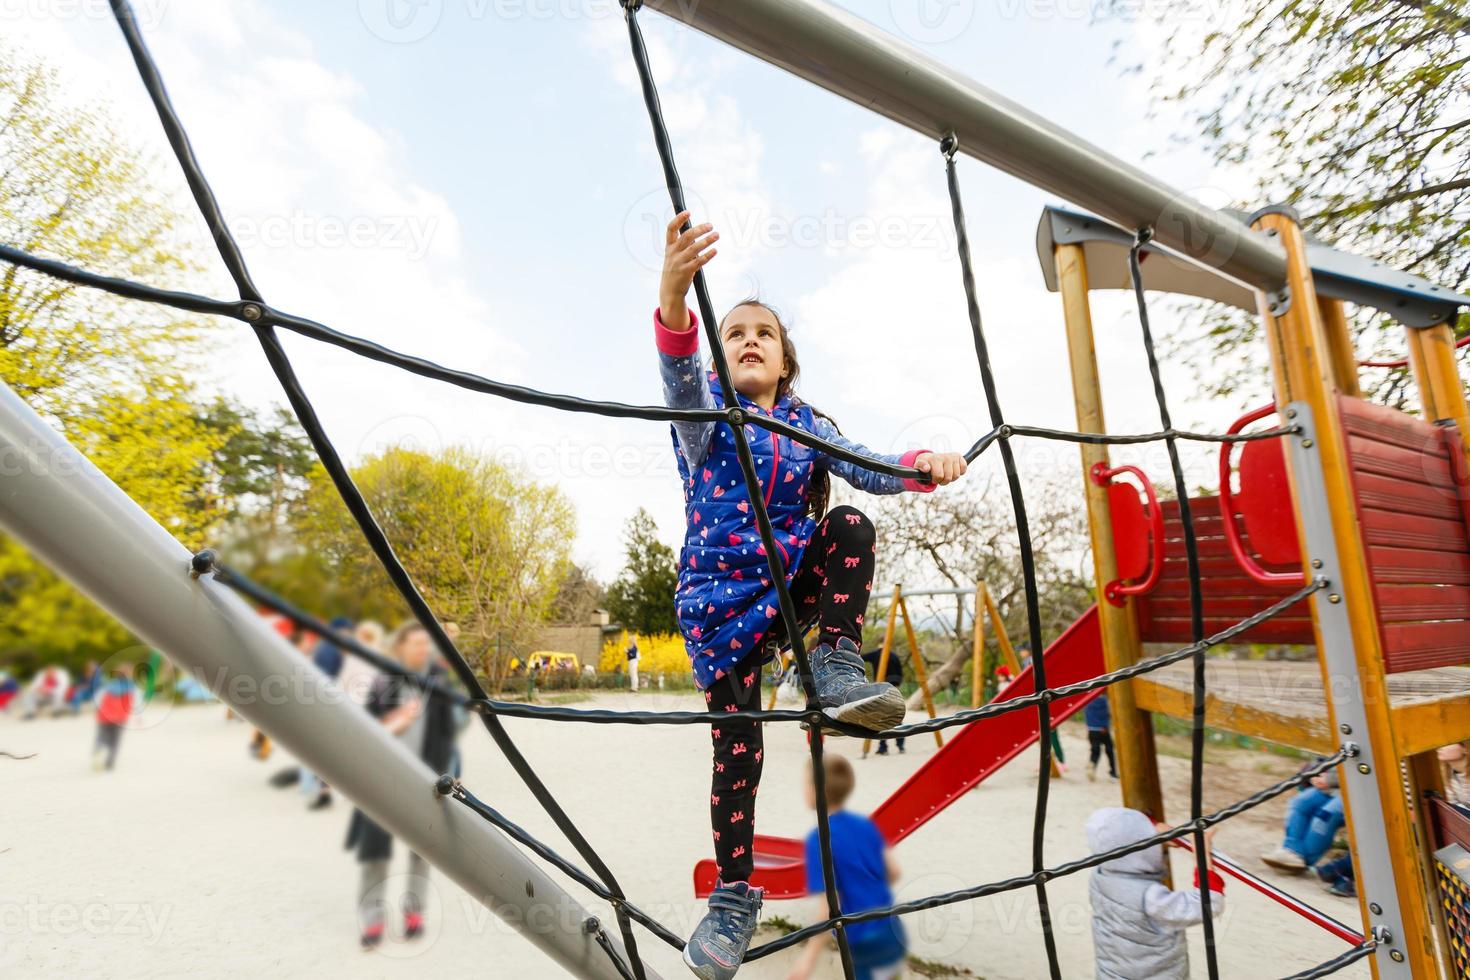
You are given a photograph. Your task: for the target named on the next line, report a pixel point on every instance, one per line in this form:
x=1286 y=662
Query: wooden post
x=784 y=659
x=1302 y=374
x=920 y=674
x=1340 y=354
x=977 y=650
x=1138 y=765
x=1432 y=360
x=1002 y=639
x=887 y=645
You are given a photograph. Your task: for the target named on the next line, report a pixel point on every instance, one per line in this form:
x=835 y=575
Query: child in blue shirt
x=864 y=869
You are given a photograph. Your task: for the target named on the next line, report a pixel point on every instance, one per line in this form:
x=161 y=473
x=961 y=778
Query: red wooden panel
x=1232 y=586
x=1387 y=425
x=1408 y=492
x=1233 y=607
x=1271 y=631
x=1399 y=462
x=1419 y=646
x=1418 y=603
x=1409 y=498
x=1398 y=565
x=1394 y=530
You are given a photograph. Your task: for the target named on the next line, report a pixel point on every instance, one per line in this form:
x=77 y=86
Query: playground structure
x=1382 y=550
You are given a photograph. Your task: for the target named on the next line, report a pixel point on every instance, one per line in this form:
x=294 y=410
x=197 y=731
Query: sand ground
x=184 y=862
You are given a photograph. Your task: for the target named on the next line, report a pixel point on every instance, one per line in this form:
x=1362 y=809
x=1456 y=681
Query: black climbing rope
x=949 y=147
x=1196 y=607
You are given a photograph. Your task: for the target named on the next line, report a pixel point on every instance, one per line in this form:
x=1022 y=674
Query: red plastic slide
x=973 y=753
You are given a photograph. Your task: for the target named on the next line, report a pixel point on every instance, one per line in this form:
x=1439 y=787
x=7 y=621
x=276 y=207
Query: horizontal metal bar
x=846 y=55
x=73 y=518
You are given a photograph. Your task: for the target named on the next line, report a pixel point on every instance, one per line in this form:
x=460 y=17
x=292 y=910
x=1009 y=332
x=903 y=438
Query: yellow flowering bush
x=658 y=653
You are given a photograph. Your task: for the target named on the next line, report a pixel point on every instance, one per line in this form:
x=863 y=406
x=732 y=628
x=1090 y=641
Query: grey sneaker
x=846 y=693
x=718 y=945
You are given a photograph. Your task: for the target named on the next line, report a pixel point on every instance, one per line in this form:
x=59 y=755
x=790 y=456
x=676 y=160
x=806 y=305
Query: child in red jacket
x=114 y=708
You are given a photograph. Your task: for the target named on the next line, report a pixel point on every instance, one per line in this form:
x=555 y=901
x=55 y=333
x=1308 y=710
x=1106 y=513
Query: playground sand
x=184 y=862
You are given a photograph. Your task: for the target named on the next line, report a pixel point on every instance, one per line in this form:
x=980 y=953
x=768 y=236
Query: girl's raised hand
x=685 y=253
x=942 y=467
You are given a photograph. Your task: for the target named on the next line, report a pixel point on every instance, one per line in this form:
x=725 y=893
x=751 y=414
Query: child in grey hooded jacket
x=1137 y=923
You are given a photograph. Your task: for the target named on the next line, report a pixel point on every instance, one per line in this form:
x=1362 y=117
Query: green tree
x=642 y=596
x=262 y=469
x=113 y=376
x=487 y=547
x=1354 y=112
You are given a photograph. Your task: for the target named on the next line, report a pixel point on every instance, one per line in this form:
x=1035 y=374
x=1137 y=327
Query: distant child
x=114 y=708
x=1312 y=821
x=726 y=601
x=1099 y=717
x=9 y=688
x=864 y=869
x=1138 y=924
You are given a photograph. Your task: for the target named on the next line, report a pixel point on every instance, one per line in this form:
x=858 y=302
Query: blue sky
x=478 y=185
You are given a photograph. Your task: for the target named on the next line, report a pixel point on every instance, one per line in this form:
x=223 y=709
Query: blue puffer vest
x=726 y=600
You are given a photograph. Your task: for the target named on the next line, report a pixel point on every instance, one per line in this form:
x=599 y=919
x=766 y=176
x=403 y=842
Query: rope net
x=252 y=309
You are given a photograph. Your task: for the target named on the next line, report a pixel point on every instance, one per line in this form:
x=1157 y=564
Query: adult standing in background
x=425 y=723
x=357 y=675
x=632 y=654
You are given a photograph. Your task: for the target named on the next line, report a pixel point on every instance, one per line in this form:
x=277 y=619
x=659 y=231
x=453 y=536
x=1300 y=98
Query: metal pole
x=77 y=521
x=846 y=55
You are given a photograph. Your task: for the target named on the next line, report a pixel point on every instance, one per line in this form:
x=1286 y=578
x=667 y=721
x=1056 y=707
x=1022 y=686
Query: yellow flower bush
x=658 y=653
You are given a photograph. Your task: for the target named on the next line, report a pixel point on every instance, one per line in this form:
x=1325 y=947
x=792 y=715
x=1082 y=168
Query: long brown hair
x=819 y=491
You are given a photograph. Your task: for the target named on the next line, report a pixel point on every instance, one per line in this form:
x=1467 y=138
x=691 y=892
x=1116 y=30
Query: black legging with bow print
x=831 y=589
